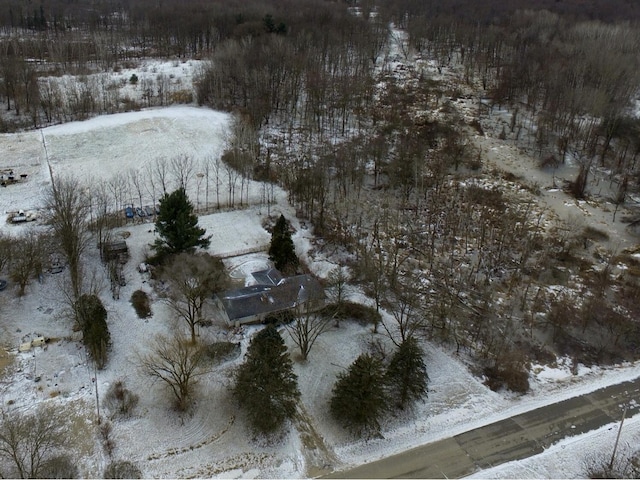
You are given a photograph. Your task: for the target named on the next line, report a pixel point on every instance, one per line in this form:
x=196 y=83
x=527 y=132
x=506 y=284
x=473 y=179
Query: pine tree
x=95 y=332
x=359 y=397
x=281 y=251
x=407 y=374
x=266 y=386
x=177 y=225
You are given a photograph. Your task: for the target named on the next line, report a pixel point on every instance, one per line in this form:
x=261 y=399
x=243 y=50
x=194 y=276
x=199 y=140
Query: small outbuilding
x=115 y=251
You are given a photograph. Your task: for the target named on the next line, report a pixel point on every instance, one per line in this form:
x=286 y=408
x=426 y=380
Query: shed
x=115 y=250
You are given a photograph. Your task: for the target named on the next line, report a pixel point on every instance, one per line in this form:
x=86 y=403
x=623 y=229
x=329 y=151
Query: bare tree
x=404 y=302
x=150 y=184
x=242 y=151
x=27 y=258
x=337 y=289
x=192 y=280
x=232 y=181
x=118 y=186
x=70 y=210
x=212 y=170
x=205 y=165
x=372 y=269
x=6 y=244
x=177 y=363
x=161 y=172
x=306 y=327
x=135 y=176
x=29 y=440
x=104 y=218
x=182 y=168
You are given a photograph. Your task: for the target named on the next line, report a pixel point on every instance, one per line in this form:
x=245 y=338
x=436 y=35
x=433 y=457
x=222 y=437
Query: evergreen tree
x=407 y=374
x=266 y=386
x=95 y=332
x=359 y=397
x=177 y=225
x=281 y=251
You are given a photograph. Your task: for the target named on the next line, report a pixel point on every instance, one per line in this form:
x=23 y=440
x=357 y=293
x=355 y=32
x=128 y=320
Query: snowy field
x=213 y=440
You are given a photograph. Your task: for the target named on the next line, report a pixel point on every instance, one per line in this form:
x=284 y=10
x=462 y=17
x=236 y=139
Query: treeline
x=269 y=50
x=180 y=28
x=316 y=72
x=492 y=11
x=575 y=79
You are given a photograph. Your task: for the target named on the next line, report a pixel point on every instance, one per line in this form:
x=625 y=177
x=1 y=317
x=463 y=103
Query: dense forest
x=374 y=152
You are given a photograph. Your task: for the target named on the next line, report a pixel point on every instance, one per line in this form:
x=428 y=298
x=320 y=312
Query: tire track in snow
x=319 y=458
x=191 y=434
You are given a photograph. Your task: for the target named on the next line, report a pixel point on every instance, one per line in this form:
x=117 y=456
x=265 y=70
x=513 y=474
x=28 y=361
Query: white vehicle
x=23 y=216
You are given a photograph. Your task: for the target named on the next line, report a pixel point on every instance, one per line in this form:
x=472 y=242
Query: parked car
x=150 y=211
x=128 y=212
x=140 y=212
x=56 y=268
x=23 y=216
x=3 y=284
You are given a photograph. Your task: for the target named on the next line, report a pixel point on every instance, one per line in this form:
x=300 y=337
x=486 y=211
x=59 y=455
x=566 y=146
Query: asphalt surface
x=511 y=439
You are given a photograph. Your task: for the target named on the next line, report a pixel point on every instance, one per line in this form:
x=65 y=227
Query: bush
x=59 y=467
x=122 y=469
x=355 y=311
x=107 y=442
x=141 y=303
x=595 y=234
x=282 y=318
x=219 y=352
x=599 y=466
x=133 y=79
x=509 y=371
x=475 y=124
x=511 y=377
x=120 y=400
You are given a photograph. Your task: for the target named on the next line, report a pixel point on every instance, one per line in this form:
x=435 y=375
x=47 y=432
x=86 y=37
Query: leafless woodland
x=368 y=113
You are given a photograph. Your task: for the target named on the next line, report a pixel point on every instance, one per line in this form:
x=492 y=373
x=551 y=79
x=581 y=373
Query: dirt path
x=595 y=212
x=319 y=458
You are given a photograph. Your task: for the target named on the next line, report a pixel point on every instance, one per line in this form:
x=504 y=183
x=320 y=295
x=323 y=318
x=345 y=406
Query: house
x=271 y=294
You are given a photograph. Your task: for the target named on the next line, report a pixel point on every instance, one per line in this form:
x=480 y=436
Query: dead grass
x=595 y=234
x=6 y=361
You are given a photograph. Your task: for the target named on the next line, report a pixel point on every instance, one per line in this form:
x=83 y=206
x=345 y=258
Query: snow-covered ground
x=213 y=440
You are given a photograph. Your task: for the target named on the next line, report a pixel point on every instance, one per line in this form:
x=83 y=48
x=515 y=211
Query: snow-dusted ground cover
x=213 y=440
x=73 y=148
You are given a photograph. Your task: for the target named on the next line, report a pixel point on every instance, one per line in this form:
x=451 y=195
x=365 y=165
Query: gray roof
x=264 y=299
x=271 y=276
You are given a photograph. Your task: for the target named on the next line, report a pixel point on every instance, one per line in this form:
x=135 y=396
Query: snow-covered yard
x=214 y=439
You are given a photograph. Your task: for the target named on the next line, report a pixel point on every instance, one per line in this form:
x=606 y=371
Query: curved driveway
x=511 y=439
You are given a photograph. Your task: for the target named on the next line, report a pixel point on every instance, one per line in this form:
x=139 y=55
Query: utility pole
x=95 y=381
x=615 y=447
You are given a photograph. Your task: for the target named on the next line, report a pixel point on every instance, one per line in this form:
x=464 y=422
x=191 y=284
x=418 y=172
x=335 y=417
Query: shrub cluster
x=141 y=303
x=120 y=400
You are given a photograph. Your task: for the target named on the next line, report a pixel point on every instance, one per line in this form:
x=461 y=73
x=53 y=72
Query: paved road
x=514 y=438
